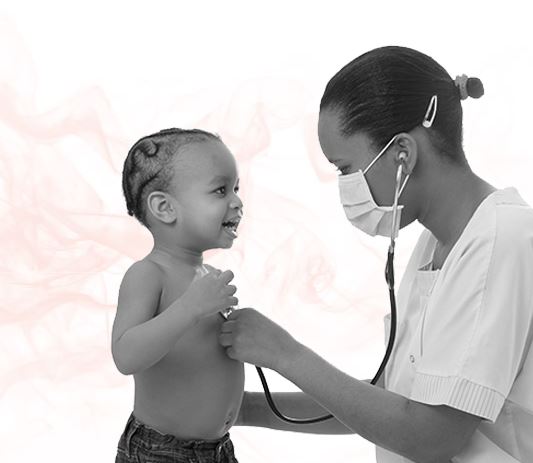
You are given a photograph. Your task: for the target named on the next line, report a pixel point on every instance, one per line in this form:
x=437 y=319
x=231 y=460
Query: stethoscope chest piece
x=226 y=312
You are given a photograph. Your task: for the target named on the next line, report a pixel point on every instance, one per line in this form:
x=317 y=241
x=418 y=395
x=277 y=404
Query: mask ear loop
x=431 y=112
x=379 y=154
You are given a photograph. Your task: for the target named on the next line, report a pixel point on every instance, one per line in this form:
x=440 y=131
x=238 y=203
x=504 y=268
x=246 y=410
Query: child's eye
x=237 y=188
x=221 y=190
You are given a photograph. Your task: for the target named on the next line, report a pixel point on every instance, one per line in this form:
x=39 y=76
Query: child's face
x=206 y=183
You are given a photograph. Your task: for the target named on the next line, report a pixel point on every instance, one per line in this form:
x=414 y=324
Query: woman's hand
x=251 y=337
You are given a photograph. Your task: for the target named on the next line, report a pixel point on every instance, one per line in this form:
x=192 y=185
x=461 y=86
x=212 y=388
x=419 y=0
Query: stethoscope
x=389 y=278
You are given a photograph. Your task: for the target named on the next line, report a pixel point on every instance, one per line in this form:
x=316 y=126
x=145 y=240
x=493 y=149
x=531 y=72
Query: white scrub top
x=464 y=332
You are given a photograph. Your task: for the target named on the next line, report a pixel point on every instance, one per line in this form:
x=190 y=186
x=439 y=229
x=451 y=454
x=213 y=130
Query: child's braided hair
x=149 y=165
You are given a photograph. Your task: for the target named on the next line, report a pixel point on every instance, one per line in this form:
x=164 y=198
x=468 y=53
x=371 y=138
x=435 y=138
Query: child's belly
x=195 y=391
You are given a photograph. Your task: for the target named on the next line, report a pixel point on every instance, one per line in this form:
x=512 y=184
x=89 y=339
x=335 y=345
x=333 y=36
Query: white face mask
x=360 y=207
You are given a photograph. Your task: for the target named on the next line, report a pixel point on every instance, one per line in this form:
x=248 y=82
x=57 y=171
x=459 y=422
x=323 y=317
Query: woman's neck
x=452 y=198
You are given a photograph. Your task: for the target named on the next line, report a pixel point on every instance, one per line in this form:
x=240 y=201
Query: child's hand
x=210 y=293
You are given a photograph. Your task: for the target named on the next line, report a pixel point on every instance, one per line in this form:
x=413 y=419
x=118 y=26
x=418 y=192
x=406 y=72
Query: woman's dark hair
x=149 y=165
x=387 y=91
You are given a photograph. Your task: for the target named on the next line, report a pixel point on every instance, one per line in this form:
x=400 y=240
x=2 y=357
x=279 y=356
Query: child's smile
x=230 y=225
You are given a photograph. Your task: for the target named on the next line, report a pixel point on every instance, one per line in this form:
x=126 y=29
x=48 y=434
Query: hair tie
x=460 y=83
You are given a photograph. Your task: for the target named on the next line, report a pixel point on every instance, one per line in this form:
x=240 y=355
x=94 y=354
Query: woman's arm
x=255 y=411
x=420 y=432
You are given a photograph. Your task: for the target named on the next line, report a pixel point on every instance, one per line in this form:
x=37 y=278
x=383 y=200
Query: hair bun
x=469 y=86
x=474 y=87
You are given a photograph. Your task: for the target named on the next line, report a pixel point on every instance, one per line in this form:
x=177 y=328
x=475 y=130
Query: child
x=182 y=185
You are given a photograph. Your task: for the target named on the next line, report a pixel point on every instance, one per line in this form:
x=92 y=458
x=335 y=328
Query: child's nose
x=236 y=202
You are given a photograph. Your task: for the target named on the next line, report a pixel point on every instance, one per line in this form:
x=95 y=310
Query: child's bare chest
x=199 y=344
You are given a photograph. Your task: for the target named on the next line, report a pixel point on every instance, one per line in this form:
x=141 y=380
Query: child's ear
x=161 y=206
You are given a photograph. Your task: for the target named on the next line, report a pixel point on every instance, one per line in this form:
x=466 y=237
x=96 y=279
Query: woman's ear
x=161 y=206
x=406 y=152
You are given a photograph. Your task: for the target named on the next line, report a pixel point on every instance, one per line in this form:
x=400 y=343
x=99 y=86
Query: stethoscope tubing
x=389 y=275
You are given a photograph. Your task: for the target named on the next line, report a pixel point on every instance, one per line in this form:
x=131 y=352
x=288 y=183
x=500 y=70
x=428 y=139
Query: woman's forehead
x=335 y=145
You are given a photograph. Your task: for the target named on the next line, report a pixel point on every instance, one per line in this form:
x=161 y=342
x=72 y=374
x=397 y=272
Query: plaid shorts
x=141 y=444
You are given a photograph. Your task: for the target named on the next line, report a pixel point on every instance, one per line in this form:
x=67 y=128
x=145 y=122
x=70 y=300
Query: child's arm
x=139 y=339
x=255 y=411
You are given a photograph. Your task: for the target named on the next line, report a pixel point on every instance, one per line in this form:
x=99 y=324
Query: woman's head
x=387 y=90
x=384 y=96
x=150 y=166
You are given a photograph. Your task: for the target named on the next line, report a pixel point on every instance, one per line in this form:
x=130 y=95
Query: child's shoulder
x=145 y=265
x=143 y=272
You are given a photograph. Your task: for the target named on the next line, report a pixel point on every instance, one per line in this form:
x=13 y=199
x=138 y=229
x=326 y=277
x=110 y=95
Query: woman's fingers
x=227 y=334
x=225 y=339
x=230 y=352
x=228 y=326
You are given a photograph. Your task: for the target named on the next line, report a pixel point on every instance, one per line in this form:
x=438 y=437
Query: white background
x=81 y=81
